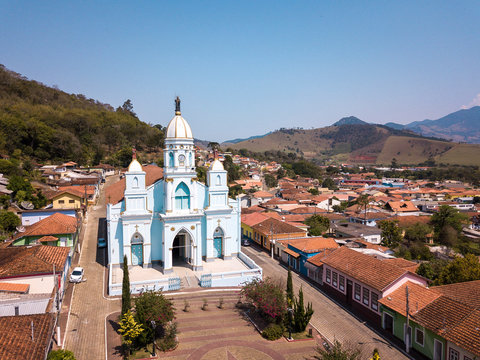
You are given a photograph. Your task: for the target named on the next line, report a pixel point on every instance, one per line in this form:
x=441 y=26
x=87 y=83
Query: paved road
x=330 y=319
x=86 y=325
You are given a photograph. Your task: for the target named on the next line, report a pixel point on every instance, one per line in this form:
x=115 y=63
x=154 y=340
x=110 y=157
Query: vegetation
x=126 y=301
x=273 y=332
x=60 y=354
x=447 y=225
x=318 y=225
x=270 y=180
x=391 y=233
x=290 y=297
x=130 y=330
x=301 y=313
x=47 y=124
x=267 y=296
x=339 y=351
x=154 y=306
x=443 y=272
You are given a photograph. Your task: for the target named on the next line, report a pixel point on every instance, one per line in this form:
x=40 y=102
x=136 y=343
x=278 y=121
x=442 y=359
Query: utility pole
x=407 y=332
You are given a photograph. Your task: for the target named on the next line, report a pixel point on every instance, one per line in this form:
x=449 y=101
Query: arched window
x=219 y=180
x=135 y=182
x=182 y=197
x=137 y=238
x=171 y=161
x=190 y=159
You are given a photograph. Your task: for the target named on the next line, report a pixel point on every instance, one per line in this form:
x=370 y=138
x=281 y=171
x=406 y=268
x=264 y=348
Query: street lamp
x=290 y=317
x=154 y=325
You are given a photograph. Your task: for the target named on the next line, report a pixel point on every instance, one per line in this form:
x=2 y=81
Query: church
x=164 y=218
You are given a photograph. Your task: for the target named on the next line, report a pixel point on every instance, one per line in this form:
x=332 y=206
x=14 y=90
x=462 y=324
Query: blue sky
x=244 y=68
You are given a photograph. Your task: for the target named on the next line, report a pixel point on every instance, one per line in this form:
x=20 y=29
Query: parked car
x=101 y=243
x=77 y=275
x=245 y=242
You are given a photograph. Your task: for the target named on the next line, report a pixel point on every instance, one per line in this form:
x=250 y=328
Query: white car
x=77 y=275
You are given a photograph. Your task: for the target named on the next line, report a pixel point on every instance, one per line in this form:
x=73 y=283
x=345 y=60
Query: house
x=371 y=218
x=442 y=320
x=26 y=337
x=67 y=199
x=56 y=230
x=31 y=278
x=30 y=217
x=402 y=207
x=262 y=196
x=296 y=252
x=354 y=230
x=265 y=233
x=360 y=280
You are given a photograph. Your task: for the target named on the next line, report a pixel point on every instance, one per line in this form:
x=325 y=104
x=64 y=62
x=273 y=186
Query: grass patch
x=299 y=335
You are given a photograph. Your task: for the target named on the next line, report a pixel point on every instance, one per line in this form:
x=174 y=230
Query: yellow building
x=67 y=200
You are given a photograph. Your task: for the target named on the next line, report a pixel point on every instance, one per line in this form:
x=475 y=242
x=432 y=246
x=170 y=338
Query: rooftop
x=57 y=223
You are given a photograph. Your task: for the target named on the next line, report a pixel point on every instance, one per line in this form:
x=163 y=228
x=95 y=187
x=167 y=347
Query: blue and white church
x=177 y=220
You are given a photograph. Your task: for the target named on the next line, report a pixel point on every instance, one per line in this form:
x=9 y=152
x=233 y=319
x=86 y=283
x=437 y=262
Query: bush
x=268 y=298
x=169 y=339
x=60 y=355
x=273 y=332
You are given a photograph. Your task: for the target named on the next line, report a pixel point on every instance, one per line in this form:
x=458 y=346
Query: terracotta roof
x=252 y=209
x=291 y=253
x=318 y=259
x=368 y=245
x=465 y=292
x=22 y=260
x=402 y=206
x=80 y=189
x=404 y=264
x=114 y=193
x=307 y=210
x=57 y=223
x=466 y=333
x=47 y=238
x=14 y=288
x=274 y=226
x=16 y=336
x=373 y=272
x=76 y=192
x=313 y=244
x=253 y=218
x=262 y=194
x=419 y=297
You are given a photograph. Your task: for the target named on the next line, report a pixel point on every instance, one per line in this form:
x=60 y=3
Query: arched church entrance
x=137 y=249
x=218 y=236
x=182 y=249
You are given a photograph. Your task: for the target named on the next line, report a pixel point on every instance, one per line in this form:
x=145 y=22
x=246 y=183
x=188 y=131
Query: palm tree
x=364 y=201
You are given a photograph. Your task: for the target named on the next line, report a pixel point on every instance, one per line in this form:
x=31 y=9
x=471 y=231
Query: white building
x=178 y=220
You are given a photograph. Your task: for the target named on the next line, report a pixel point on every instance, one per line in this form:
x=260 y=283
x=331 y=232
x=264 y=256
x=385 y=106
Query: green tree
x=329 y=183
x=417 y=232
x=8 y=221
x=129 y=329
x=432 y=269
x=317 y=224
x=128 y=108
x=313 y=191
x=363 y=201
x=126 y=300
x=149 y=306
x=268 y=297
x=270 y=180
x=391 y=233
x=339 y=352
x=289 y=293
x=448 y=236
x=202 y=174
x=233 y=170
x=214 y=145
x=233 y=191
x=60 y=354
x=447 y=216
x=460 y=270
x=301 y=313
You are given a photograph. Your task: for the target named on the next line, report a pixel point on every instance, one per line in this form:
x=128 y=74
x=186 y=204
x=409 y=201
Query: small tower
x=135 y=191
x=217 y=185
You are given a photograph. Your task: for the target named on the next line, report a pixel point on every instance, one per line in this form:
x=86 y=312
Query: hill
x=48 y=124
x=351 y=120
x=364 y=144
x=237 y=140
x=461 y=126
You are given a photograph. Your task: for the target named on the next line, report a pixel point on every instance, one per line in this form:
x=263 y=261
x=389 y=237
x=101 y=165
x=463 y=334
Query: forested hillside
x=48 y=124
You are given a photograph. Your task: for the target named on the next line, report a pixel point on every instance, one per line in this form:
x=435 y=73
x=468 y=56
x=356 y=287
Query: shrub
x=169 y=340
x=273 y=332
x=268 y=297
x=60 y=355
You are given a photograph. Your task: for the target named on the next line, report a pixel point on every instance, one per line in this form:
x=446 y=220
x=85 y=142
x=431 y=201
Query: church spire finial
x=134 y=153
x=177 y=106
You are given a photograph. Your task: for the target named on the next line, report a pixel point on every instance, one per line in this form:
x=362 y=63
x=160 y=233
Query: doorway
x=349 y=292
x=182 y=249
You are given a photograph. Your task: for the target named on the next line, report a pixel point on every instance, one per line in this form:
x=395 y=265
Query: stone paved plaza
x=221 y=334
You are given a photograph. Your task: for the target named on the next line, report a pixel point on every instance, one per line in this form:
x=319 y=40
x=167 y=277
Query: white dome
x=217 y=166
x=135 y=166
x=178 y=128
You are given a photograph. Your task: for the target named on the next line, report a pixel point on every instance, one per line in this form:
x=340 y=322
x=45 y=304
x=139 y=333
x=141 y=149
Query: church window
x=137 y=238
x=135 y=182
x=171 y=161
x=182 y=197
x=190 y=159
x=219 y=180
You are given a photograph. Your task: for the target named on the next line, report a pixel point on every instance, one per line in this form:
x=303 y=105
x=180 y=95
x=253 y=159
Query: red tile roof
x=47 y=238
x=404 y=264
x=274 y=226
x=313 y=244
x=253 y=218
x=14 y=288
x=373 y=272
x=114 y=193
x=23 y=260
x=465 y=292
x=16 y=336
x=402 y=206
x=57 y=223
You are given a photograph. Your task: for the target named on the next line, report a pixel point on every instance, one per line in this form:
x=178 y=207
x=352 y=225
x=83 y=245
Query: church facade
x=175 y=219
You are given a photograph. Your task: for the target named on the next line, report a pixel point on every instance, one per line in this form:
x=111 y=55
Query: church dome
x=217 y=166
x=135 y=166
x=178 y=127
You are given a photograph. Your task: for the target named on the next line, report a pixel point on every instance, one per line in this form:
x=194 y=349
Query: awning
x=292 y=253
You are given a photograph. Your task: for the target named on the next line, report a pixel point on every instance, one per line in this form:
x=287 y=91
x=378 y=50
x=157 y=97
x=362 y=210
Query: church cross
x=136 y=228
x=218 y=222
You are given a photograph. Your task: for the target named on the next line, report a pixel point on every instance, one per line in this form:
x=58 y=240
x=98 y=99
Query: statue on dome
x=177 y=106
x=134 y=153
